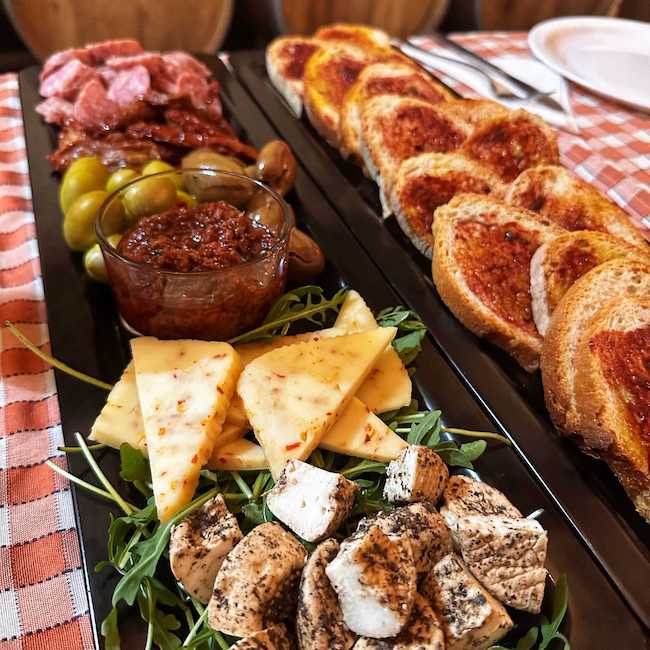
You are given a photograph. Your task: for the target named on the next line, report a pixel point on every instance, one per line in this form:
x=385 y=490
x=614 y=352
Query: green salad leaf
x=410 y=331
x=110 y=631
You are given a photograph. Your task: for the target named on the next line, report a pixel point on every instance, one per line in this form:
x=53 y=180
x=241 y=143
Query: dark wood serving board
x=86 y=334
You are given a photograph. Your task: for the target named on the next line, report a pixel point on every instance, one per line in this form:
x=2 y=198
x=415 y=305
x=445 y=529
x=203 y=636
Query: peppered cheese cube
x=471 y=617
x=311 y=501
x=418 y=474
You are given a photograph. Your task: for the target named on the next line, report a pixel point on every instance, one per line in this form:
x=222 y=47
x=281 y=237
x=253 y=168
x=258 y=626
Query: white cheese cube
x=375 y=580
x=418 y=474
x=311 y=501
x=471 y=618
x=199 y=544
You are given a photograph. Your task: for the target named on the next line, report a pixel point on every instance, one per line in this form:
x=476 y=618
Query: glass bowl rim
x=282 y=240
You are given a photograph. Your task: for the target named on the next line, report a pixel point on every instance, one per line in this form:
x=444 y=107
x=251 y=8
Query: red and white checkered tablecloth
x=43 y=603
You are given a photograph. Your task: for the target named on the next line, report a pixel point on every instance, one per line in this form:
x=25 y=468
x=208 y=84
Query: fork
x=500 y=89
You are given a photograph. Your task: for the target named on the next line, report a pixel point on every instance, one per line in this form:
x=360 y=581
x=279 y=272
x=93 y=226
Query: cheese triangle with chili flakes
x=388 y=387
x=185 y=388
x=295 y=394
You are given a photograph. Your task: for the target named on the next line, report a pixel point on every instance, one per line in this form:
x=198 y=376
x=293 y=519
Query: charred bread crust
x=579 y=304
x=450 y=282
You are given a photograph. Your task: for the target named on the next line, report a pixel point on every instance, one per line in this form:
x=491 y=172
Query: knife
x=525 y=89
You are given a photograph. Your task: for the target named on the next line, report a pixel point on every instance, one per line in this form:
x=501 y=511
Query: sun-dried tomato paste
x=625 y=360
x=208 y=237
x=495 y=259
x=413 y=130
x=185 y=276
x=423 y=194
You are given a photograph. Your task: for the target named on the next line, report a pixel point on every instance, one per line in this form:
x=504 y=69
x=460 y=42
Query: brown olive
x=276 y=166
x=263 y=208
x=306 y=259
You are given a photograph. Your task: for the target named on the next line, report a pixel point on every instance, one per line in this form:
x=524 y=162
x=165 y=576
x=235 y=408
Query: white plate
x=609 y=56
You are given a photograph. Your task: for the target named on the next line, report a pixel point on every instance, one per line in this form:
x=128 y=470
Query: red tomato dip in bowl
x=208 y=266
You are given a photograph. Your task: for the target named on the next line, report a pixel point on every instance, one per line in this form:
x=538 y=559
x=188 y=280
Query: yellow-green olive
x=114 y=239
x=186 y=198
x=149 y=196
x=276 y=166
x=84 y=175
x=79 y=220
x=120 y=178
x=306 y=259
x=158 y=166
x=94 y=264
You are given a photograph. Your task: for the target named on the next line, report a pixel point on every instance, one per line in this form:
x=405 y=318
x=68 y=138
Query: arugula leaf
x=419 y=430
x=472 y=450
x=134 y=466
x=305 y=303
x=454 y=458
x=353 y=468
x=550 y=629
x=110 y=631
x=410 y=331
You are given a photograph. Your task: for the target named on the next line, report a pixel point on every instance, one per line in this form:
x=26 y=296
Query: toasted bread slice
x=329 y=75
x=286 y=58
x=361 y=36
x=428 y=181
x=510 y=143
x=477 y=112
x=612 y=395
x=559 y=263
x=481 y=268
x=396 y=128
x=616 y=278
x=383 y=79
x=557 y=194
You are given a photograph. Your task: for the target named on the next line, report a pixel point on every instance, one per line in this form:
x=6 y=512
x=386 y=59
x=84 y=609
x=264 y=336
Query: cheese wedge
x=355 y=315
x=359 y=432
x=184 y=388
x=388 y=387
x=120 y=420
x=294 y=395
x=237 y=456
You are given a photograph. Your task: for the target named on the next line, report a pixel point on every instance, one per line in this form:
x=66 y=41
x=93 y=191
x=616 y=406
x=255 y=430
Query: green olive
x=149 y=196
x=79 y=221
x=114 y=239
x=276 y=166
x=186 y=198
x=88 y=175
x=94 y=264
x=120 y=178
x=159 y=166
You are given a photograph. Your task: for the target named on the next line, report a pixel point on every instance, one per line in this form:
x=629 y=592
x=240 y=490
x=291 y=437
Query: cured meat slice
x=129 y=86
x=100 y=52
x=59 y=59
x=68 y=80
x=152 y=61
x=55 y=110
x=93 y=108
x=186 y=62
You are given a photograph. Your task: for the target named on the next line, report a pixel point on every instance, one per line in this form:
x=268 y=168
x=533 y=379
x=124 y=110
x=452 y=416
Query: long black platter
x=592 y=499
x=85 y=333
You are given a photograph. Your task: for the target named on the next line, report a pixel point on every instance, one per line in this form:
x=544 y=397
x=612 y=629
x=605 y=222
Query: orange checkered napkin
x=43 y=599
x=613 y=150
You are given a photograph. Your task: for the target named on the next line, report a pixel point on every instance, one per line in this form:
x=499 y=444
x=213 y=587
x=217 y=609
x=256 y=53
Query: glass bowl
x=210 y=305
